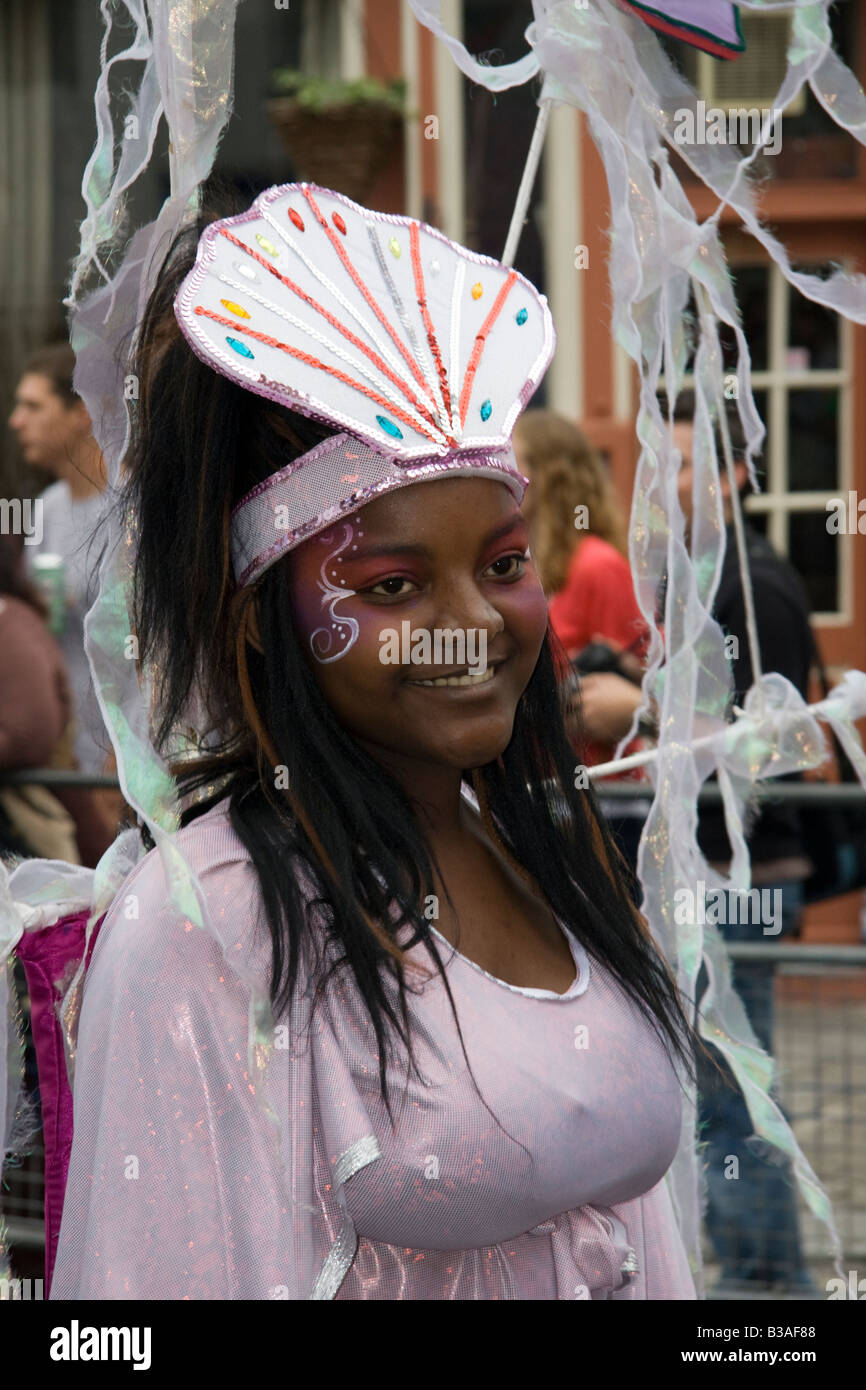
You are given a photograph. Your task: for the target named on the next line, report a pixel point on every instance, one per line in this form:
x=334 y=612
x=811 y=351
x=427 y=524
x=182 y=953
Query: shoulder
x=593 y=553
x=596 y=561
x=142 y=930
x=777 y=586
x=16 y=614
x=56 y=499
x=21 y=624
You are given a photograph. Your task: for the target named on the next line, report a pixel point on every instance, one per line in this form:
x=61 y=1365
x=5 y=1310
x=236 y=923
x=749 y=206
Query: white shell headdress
x=422 y=354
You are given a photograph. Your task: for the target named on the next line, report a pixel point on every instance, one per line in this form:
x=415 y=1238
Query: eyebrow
x=366 y=552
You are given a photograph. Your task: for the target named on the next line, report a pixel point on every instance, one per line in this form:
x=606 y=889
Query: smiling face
x=443 y=556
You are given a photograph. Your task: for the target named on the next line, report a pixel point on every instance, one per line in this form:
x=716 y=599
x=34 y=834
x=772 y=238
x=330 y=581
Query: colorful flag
x=713 y=25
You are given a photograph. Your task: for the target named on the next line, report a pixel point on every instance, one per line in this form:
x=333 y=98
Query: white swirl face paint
x=331 y=642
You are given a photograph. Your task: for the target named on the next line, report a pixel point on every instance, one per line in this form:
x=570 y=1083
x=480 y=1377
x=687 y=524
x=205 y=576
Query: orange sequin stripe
x=472 y=365
x=383 y=319
x=415 y=243
x=314 y=362
x=335 y=323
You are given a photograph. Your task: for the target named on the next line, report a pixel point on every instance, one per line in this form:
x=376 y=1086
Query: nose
x=463 y=604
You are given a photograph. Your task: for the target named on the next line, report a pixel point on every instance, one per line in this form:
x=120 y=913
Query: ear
x=741 y=476
x=254 y=636
x=741 y=473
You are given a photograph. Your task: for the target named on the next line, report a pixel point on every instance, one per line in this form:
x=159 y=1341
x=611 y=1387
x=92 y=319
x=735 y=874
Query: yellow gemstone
x=394 y=248
x=477 y=291
x=266 y=245
x=234 y=308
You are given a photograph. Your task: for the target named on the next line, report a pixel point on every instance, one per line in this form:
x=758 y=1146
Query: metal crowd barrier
x=794 y=793
x=797 y=793
x=55 y=777
x=819 y=1048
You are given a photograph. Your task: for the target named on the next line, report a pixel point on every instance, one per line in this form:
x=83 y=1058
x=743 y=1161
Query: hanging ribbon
x=612 y=67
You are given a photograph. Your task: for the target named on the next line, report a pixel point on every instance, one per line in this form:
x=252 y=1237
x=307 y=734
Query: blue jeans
x=751 y=1218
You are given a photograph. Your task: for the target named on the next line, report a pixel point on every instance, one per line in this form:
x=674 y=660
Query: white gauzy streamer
x=186 y=49
x=429 y=13
x=611 y=65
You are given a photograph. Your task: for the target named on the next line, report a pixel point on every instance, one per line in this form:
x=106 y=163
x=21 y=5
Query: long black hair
x=199 y=442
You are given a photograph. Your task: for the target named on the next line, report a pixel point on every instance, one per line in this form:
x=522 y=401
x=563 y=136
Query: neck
x=85 y=473
x=433 y=790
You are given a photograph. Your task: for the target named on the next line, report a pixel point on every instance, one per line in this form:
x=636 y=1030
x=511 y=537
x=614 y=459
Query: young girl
x=423 y=1046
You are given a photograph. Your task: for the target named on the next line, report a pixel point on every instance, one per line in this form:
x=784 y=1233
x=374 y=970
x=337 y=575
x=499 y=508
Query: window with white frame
x=801 y=377
x=808 y=144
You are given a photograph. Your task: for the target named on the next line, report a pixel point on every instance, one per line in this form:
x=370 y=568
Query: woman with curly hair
x=579 y=536
x=580 y=552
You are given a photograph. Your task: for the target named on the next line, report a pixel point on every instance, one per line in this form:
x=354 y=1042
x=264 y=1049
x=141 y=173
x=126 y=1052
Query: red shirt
x=598 y=600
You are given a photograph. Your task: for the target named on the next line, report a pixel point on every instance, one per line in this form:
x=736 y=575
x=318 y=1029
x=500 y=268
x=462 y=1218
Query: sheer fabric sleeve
x=175 y=1186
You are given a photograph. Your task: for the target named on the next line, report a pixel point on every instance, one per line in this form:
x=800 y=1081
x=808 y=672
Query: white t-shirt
x=67 y=530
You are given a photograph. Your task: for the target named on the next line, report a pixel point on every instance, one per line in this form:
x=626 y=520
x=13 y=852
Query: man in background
x=54 y=433
x=751 y=1219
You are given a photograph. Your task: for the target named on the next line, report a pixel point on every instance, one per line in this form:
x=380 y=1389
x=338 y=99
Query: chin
x=474 y=750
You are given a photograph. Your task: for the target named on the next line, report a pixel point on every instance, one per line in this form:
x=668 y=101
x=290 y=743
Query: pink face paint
x=332 y=642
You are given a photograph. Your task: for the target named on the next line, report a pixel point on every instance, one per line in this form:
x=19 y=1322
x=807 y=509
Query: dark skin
x=449 y=554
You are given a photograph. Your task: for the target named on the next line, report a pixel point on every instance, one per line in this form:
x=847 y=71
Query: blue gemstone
x=389 y=427
x=486 y=410
x=521 y=316
x=239 y=347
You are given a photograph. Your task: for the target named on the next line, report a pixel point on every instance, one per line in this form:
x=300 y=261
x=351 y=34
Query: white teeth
x=481 y=679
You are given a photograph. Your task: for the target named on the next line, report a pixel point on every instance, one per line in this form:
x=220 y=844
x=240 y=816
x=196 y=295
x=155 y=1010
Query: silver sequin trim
x=341 y=1254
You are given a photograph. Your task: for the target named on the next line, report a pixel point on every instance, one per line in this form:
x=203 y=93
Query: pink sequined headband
x=420 y=353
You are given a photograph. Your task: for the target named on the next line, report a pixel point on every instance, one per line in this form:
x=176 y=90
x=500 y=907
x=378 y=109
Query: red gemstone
x=296 y=219
x=338 y=223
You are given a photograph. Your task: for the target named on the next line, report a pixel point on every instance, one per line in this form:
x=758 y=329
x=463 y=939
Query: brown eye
x=508 y=566
x=383 y=586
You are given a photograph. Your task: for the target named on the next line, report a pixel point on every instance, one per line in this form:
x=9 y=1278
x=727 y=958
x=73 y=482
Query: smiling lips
x=455 y=681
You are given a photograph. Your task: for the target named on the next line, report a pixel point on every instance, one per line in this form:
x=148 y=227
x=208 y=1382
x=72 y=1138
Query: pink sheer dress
x=219 y=1153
